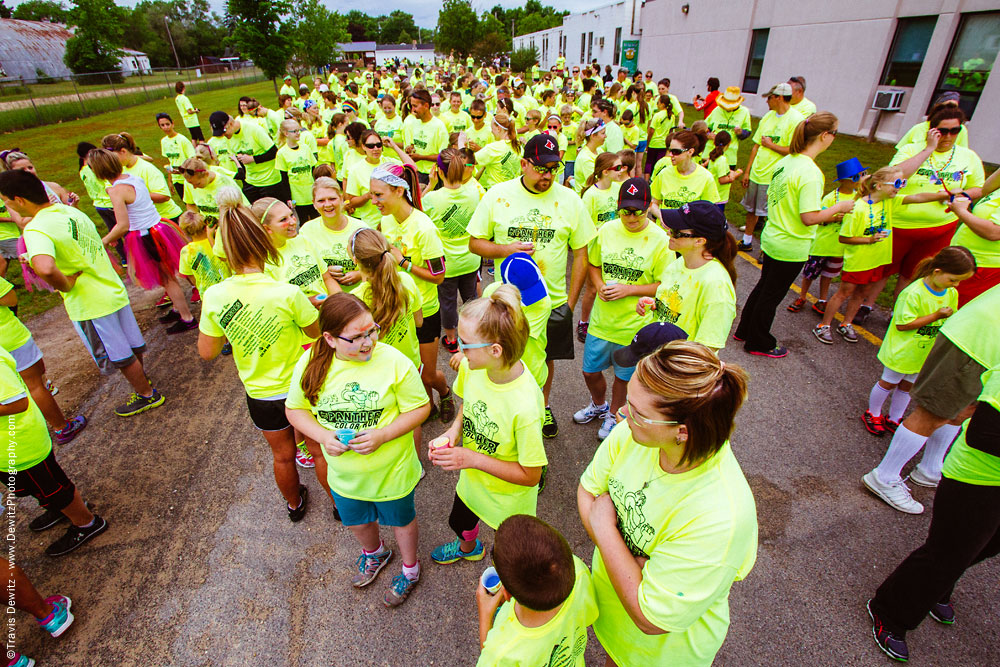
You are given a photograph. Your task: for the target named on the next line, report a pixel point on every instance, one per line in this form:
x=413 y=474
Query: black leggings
x=462 y=520
x=776 y=277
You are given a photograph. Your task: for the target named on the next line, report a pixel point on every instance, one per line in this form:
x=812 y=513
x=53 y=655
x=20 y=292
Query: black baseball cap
x=648 y=340
x=218 y=121
x=541 y=149
x=635 y=193
x=702 y=217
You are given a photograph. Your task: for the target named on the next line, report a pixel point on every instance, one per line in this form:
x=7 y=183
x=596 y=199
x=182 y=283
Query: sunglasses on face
x=898 y=183
x=542 y=170
x=553 y=127
x=681 y=235
x=373 y=146
x=471 y=346
x=371 y=334
x=678 y=151
x=945 y=131
x=630 y=212
x=435 y=104
x=474 y=117
x=617 y=167
x=192 y=172
x=832 y=132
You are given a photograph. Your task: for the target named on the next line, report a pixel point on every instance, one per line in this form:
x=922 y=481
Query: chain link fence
x=46 y=100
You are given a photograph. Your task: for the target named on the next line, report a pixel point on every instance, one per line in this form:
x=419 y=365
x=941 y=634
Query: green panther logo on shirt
x=684 y=195
x=481 y=429
x=668 y=309
x=624 y=266
x=533 y=227
x=355 y=408
x=632 y=524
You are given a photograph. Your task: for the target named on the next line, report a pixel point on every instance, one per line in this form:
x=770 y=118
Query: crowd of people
x=327 y=241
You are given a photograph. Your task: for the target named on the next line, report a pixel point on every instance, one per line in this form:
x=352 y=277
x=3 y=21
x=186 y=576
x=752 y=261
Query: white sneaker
x=918 y=477
x=590 y=413
x=606 y=426
x=897 y=495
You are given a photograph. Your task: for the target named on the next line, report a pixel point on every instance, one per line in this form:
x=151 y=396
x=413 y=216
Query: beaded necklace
x=871 y=216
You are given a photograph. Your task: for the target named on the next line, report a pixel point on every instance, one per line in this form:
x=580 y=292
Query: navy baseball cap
x=702 y=217
x=541 y=149
x=648 y=340
x=218 y=121
x=520 y=270
x=635 y=193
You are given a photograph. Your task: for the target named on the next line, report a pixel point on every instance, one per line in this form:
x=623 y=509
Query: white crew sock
x=900 y=401
x=876 y=399
x=747 y=239
x=412 y=572
x=904 y=446
x=937 y=446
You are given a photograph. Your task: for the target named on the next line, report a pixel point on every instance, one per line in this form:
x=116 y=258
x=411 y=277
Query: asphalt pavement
x=200 y=565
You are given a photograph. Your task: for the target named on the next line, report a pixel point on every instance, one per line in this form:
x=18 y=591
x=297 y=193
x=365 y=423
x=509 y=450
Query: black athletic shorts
x=560 y=334
x=47 y=483
x=430 y=330
x=268 y=415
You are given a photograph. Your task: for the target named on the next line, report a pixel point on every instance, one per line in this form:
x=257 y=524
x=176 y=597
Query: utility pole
x=172 y=47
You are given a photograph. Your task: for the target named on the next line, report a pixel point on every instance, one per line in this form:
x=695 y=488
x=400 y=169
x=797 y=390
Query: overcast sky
x=424 y=13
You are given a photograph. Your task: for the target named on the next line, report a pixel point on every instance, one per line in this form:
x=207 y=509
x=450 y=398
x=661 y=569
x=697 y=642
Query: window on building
x=618 y=46
x=583 y=47
x=755 y=60
x=909 y=47
x=545 y=48
x=590 y=45
x=971 y=58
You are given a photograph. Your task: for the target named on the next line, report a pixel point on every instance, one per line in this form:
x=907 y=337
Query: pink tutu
x=31 y=280
x=154 y=257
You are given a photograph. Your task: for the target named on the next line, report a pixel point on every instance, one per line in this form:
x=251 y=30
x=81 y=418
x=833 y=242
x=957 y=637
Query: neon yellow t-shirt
x=156 y=183
x=503 y=421
x=451 y=210
x=358 y=183
x=220 y=146
x=585 y=159
x=300 y=266
x=70 y=237
x=718 y=169
x=428 y=138
x=970 y=465
x=780 y=130
x=973 y=329
x=561 y=641
x=298 y=163
x=204 y=198
x=367 y=395
x=730 y=121
x=868 y=220
x=456 y=122
x=32 y=443
x=186 y=109
x=252 y=139
x=661 y=125
x=701 y=301
x=175 y=150
x=987 y=253
x=633 y=135
x=388 y=127
x=499 y=162
x=13 y=333
x=403 y=333
x=827 y=243
x=673 y=189
x=198 y=261
x=569 y=146
x=805 y=107
x=95 y=187
x=699 y=531
x=626 y=258
x=614 y=139
x=419 y=239
x=602 y=204
x=332 y=245
x=959 y=168
x=905 y=351
x=796 y=188
x=482 y=136
x=553 y=220
x=262 y=319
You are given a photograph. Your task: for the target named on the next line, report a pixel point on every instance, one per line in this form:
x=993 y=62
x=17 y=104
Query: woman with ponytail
x=135 y=163
x=360 y=173
x=795 y=207
x=360 y=401
x=499 y=160
x=590 y=137
x=669 y=510
x=496 y=440
x=678 y=178
x=451 y=207
x=265 y=355
x=417 y=249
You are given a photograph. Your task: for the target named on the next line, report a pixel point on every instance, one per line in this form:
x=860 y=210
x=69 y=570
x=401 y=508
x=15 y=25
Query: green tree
x=315 y=36
x=394 y=25
x=457 y=23
x=4 y=10
x=41 y=10
x=196 y=31
x=404 y=38
x=95 y=44
x=260 y=32
x=361 y=27
x=490 y=46
x=522 y=59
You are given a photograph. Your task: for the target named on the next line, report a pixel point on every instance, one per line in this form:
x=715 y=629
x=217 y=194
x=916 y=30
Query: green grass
x=162 y=78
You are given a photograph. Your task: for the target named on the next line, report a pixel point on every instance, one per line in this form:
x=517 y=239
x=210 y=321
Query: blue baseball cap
x=648 y=340
x=520 y=270
x=849 y=169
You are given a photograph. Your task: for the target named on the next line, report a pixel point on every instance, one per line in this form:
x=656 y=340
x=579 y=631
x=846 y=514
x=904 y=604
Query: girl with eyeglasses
x=496 y=440
x=678 y=178
x=590 y=136
x=360 y=172
x=295 y=161
x=554 y=128
x=175 y=148
x=360 y=401
x=656 y=498
x=499 y=161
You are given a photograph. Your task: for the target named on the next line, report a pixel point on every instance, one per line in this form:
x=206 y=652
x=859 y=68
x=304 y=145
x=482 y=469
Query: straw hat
x=731 y=99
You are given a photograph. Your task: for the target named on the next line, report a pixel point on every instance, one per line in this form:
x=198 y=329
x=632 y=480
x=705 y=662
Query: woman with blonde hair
x=331 y=233
x=295 y=161
x=499 y=160
x=590 y=136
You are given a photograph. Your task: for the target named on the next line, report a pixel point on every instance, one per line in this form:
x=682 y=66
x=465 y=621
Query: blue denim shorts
x=397 y=513
x=598 y=354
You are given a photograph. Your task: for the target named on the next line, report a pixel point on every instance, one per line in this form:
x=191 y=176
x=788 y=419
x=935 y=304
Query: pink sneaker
x=303 y=460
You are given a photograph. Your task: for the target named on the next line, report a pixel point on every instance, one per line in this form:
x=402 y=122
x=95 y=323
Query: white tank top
x=142 y=213
x=51 y=194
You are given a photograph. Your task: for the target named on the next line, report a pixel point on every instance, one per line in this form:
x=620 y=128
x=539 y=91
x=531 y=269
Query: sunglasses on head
x=678 y=151
x=192 y=172
x=945 y=131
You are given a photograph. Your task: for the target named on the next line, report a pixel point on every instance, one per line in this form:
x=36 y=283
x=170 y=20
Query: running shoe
x=890 y=426
x=15 y=659
x=304 y=460
x=590 y=413
x=71 y=430
x=819 y=307
x=581 y=331
x=170 y=317
x=450 y=344
x=891 y=645
x=180 y=326
x=607 y=424
x=861 y=315
x=369 y=565
x=136 y=404
x=164 y=302
x=943 y=612
x=745 y=247
x=489 y=266
x=51 y=388
x=918 y=477
x=195 y=296
x=434 y=413
x=874 y=423
x=61 y=617
x=846 y=332
x=295 y=514
x=777 y=352
x=448 y=407
x=797 y=305
x=399 y=590
x=822 y=333
x=227 y=349
x=452 y=551
x=550 y=428
x=75 y=537
x=896 y=495
x=49 y=519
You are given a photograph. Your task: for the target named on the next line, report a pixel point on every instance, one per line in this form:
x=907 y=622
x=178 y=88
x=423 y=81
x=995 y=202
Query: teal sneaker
x=369 y=565
x=61 y=618
x=15 y=659
x=399 y=589
x=451 y=552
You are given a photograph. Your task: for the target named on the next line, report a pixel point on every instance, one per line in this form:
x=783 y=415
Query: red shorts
x=910 y=246
x=866 y=277
x=983 y=279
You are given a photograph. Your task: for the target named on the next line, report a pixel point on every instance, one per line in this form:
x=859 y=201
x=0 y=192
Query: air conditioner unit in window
x=602 y=43
x=888 y=100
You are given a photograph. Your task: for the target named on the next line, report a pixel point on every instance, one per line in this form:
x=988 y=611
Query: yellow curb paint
x=861 y=331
